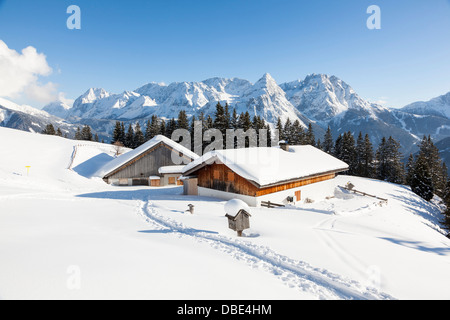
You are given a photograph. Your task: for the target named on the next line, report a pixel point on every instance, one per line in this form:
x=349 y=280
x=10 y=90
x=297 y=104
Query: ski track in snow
x=295 y=274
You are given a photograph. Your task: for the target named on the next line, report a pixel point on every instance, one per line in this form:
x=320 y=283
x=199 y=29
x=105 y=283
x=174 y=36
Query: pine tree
x=234 y=120
x=286 y=133
x=297 y=135
x=310 y=138
x=139 y=137
x=183 y=122
x=129 y=138
x=421 y=182
x=86 y=133
x=431 y=153
x=348 y=152
x=122 y=133
x=409 y=169
x=96 y=138
x=337 y=150
x=162 y=127
x=360 y=163
x=328 y=143
x=227 y=116
x=171 y=126
x=78 y=134
x=396 y=170
x=117 y=133
x=49 y=129
x=368 y=158
x=153 y=128
x=59 y=132
x=279 y=128
x=382 y=159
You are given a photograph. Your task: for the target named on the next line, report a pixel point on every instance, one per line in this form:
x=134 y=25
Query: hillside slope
x=64 y=235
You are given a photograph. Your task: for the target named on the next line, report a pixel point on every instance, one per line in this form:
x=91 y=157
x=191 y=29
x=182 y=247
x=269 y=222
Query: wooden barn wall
x=220 y=177
x=146 y=165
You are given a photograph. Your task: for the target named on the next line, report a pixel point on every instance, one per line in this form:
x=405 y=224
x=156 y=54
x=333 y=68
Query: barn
x=281 y=175
x=158 y=162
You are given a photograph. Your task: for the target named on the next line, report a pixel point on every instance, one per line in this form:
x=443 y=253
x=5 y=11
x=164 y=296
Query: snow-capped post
x=28 y=170
x=238 y=214
x=191 y=208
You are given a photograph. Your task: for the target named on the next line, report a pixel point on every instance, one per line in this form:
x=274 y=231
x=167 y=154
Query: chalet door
x=298 y=195
x=171 y=180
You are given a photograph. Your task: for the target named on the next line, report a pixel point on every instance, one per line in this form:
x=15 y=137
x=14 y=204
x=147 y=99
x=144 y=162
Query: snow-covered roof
x=170 y=169
x=271 y=166
x=129 y=156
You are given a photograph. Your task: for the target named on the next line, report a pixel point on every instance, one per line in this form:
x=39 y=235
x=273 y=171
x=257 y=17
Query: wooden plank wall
x=220 y=177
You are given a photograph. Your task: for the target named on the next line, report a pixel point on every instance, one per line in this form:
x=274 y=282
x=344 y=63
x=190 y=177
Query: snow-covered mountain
x=320 y=99
x=58 y=109
x=27 y=118
x=264 y=98
x=439 y=106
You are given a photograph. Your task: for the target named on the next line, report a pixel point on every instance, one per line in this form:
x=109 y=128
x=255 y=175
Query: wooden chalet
x=280 y=175
x=158 y=162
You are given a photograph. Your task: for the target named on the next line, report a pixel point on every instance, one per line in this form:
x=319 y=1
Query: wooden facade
x=222 y=178
x=147 y=164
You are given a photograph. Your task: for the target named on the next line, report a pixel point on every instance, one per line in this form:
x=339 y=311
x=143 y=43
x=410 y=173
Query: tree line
x=84 y=133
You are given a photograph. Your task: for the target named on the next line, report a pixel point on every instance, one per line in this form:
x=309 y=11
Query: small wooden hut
x=159 y=157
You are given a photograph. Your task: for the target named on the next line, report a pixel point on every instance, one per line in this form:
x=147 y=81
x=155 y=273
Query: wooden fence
x=269 y=204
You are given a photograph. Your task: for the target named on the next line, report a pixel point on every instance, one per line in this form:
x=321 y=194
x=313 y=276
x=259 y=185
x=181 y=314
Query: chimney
x=284 y=145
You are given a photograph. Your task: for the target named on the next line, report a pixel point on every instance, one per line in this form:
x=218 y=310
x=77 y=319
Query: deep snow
x=64 y=235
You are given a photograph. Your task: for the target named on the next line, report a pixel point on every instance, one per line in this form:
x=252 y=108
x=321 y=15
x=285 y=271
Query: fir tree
x=368 y=158
x=117 y=133
x=310 y=138
x=359 y=163
x=49 y=129
x=78 y=134
x=122 y=133
x=139 y=137
x=59 y=132
x=234 y=120
x=409 y=169
x=129 y=137
x=328 y=142
x=162 y=127
x=337 y=150
x=348 y=152
x=286 y=133
x=396 y=170
x=431 y=153
x=421 y=182
x=297 y=135
x=171 y=126
x=86 y=133
x=96 y=138
x=153 y=128
x=183 y=122
x=382 y=159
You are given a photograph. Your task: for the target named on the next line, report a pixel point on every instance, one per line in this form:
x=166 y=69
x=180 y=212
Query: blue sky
x=125 y=44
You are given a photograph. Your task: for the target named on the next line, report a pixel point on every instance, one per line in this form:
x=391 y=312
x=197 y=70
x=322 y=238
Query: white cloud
x=20 y=74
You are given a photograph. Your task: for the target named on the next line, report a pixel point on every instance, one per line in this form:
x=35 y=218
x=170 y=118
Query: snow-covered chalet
x=286 y=174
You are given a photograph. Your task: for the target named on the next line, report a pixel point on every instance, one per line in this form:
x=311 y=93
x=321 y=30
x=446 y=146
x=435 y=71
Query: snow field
x=64 y=235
